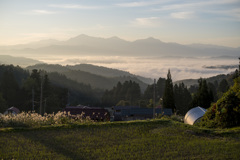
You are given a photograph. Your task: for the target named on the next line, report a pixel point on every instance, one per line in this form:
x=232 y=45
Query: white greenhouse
x=194 y=115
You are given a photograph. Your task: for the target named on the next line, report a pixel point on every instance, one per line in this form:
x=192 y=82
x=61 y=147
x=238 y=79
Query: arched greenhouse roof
x=194 y=115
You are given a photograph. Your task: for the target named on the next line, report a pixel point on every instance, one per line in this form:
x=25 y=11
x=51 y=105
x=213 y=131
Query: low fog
x=154 y=67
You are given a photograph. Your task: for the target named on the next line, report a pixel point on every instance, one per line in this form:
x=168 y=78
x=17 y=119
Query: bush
x=226 y=111
x=177 y=118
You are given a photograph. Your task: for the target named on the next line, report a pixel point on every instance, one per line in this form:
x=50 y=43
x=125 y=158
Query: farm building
x=125 y=113
x=97 y=114
x=194 y=115
x=12 y=110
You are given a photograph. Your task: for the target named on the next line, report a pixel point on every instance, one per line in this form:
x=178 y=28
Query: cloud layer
x=181 y=68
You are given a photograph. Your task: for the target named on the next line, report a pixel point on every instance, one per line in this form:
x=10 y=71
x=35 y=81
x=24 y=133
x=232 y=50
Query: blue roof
x=144 y=111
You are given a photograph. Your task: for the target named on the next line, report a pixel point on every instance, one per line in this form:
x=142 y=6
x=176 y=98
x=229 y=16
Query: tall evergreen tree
x=148 y=93
x=168 y=97
x=213 y=89
x=3 y=104
x=204 y=96
x=223 y=86
x=182 y=98
x=129 y=92
x=160 y=86
x=9 y=88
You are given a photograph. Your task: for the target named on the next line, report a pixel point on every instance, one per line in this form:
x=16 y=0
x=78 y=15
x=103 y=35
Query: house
x=194 y=115
x=125 y=113
x=12 y=110
x=96 y=114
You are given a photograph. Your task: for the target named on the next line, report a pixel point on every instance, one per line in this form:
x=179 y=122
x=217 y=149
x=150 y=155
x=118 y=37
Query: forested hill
x=100 y=80
x=107 y=72
x=20 y=61
x=214 y=79
x=22 y=89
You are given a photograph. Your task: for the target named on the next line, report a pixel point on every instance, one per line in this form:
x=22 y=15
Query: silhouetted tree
x=203 y=97
x=223 y=86
x=182 y=98
x=168 y=97
x=160 y=86
x=3 y=104
x=9 y=88
x=213 y=89
x=128 y=91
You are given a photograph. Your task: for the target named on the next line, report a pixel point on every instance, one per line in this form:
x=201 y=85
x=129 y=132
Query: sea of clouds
x=153 y=67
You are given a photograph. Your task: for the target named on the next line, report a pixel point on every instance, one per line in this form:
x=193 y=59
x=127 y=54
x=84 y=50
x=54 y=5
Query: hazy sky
x=181 y=21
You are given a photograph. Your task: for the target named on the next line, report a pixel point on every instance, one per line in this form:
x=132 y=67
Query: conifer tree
x=223 y=86
x=182 y=98
x=204 y=96
x=168 y=97
x=9 y=88
x=160 y=87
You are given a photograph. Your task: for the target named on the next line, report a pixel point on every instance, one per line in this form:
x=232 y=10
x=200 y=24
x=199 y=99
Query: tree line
x=50 y=92
x=29 y=91
x=178 y=97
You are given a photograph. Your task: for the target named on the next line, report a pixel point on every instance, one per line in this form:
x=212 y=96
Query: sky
x=181 y=21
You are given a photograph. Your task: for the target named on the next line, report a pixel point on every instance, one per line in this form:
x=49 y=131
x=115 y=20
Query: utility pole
x=154 y=92
x=45 y=103
x=239 y=67
x=41 y=92
x=41 y=95
x=32 y=99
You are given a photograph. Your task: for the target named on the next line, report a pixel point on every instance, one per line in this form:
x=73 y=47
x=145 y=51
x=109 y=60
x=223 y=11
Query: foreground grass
x=158 y=139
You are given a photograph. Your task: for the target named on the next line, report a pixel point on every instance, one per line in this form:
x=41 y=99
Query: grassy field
x=158 y=139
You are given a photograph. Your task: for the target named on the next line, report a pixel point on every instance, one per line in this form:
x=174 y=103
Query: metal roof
x=193 y=115
x=12 y=110
x=141 y=111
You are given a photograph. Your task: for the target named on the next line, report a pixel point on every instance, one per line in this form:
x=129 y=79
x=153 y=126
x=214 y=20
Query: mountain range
x=114 y=46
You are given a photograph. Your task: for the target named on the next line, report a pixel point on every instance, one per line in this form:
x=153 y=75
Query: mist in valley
x=153 y=67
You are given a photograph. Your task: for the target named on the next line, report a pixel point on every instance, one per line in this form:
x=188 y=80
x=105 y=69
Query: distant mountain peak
x=115 y=38
x=149 y=40
x=88 y=45
x=81 y=36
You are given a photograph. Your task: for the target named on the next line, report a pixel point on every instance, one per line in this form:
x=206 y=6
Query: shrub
x=177 y=118
x=226 y=111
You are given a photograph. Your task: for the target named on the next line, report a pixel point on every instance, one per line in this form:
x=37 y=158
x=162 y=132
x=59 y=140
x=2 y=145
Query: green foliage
x=223 y=86
x=204 y=96
x=159 y=90
x=9 y=88
x=182 y=98
x=226 y=111
x=168 y=97
x=148 y=93
x=123 y=103
x=18 y=73
x=160 y=87
x=213 y=88
x=128 y=91
x=3 y=104
x=76 y=93
x=17 y=88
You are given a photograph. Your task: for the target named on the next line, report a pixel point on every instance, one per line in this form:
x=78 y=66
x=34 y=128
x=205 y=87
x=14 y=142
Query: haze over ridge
x=114 y=46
